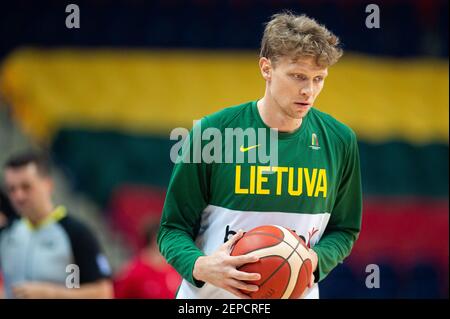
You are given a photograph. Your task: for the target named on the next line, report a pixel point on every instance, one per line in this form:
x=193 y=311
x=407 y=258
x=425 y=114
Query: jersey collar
x=59 y=213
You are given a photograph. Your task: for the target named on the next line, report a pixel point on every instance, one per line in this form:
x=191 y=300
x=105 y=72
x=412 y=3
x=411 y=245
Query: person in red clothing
x=148 y=275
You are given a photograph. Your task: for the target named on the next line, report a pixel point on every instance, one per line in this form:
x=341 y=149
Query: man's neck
x=40 y=216
x=273 y=116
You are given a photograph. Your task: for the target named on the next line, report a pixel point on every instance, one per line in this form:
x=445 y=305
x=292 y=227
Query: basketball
x=284 y=262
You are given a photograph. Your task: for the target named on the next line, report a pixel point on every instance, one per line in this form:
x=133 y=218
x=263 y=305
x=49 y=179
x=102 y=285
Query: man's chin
x=298 y=115
x=22 y=211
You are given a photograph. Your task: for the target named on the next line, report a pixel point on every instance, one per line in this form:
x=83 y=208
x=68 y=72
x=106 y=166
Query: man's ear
x=265 y=65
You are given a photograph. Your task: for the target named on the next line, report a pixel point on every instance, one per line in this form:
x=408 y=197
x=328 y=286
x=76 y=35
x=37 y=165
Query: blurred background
x=102 y=99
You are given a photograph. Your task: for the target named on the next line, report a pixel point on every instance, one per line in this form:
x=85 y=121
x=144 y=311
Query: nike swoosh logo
x=245 y=149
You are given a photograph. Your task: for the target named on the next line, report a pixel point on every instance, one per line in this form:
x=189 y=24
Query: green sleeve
x=187 y=196
x=345 y=221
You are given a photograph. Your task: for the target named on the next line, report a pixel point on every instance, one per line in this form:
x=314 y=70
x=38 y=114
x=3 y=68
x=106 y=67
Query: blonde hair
x=287 y=34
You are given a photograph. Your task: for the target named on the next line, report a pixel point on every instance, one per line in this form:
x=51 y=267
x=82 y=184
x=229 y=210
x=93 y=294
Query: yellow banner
x=152 y=92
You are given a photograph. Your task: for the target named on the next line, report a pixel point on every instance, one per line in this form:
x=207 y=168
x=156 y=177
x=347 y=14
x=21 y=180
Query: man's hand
x=34 y=290
x=314 y=261
x=101 y=288
x=219 y=269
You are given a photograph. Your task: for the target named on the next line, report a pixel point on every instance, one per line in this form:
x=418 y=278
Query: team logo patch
x=314 y=142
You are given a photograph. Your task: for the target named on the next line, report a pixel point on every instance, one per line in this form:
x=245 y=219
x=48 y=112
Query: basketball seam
x=286 y=260
x=298 y=278
x=267 y=256
x=279 y=267
x=282 y=239
x=250 y=251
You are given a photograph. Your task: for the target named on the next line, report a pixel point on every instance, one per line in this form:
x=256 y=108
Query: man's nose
x=306 y=90
x=17 y=195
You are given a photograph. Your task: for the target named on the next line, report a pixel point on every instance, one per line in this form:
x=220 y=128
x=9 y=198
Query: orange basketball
x=284 y=262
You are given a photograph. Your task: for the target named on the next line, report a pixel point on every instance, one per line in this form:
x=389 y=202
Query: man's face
x=293 y=84
x=27 y=189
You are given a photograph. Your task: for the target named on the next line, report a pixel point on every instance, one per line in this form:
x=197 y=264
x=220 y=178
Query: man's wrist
x=196 y=272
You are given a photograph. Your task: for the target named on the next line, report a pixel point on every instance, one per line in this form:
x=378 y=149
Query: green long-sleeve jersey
x=313 y=188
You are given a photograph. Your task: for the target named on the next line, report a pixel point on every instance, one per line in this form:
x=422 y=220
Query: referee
x=46 y=251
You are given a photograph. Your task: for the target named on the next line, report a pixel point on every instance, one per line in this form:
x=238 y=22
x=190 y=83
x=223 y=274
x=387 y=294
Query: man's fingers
x=19 y=292
x=245 y=276
x=311 y=282
x=242 y=285
x=238 y=293
x=238 y=261
x=233 y=239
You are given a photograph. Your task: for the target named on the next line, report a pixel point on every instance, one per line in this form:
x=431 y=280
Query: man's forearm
x=180 y=251
x=99 y=290
x=331 y=250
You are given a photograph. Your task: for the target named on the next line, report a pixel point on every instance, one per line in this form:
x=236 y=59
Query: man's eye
x=318 y=79
x=299 y=77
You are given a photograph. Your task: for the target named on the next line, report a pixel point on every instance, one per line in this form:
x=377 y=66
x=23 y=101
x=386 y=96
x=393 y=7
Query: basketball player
x=315 y=189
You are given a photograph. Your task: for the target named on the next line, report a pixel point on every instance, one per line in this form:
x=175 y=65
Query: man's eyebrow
x=324 y=73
